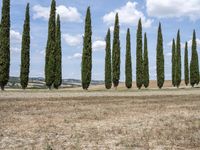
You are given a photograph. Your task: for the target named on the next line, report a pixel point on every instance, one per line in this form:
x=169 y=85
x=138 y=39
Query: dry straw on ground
x=150 y=119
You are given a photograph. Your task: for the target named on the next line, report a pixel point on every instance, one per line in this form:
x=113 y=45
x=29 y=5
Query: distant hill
x=39 y=83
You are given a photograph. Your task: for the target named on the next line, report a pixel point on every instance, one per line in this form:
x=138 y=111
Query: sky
x=173 y=14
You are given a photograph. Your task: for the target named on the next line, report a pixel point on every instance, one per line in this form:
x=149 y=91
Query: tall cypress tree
x=50 y=48
x=87 y=52
x=5 y=44
x=116 y=54
x=173 y=63
x=128 y=64
x=197 y=61
x=58 y=56
x=108 y=76
x=178 y=60
x=186 y=70
x=25 y=52
x=139 y=58
x=194 y=64
x=160 y=59
x=146 y=63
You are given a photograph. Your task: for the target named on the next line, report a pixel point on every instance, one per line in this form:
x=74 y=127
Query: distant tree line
x=53 y=55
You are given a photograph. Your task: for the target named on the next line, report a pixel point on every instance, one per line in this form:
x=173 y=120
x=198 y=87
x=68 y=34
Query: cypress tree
x=108 y=76
x=116 y=54
x=186 y=71
x=58 y=56
x=146 y=63
x=160 y=59
x=128 y=64
x=5 y=44
x=25 y=51
x=178 y=60
x=50 y=48
x=87 y=52
x=194 y=64
x=173 y=63
x=139 y=59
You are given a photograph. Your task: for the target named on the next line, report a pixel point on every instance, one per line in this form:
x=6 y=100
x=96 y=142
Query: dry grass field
x=73 y=119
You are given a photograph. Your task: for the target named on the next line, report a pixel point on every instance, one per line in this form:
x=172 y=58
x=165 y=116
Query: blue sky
x=169 y=12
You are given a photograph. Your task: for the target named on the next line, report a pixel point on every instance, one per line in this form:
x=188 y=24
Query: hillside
x=39 y=83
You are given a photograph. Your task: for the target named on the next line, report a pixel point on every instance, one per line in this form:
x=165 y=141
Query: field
x=99 y=119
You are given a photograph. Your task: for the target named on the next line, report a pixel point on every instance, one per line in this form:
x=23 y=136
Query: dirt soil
x=148 y=119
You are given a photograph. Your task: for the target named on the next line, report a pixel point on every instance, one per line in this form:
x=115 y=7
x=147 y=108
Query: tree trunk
x=2 y=87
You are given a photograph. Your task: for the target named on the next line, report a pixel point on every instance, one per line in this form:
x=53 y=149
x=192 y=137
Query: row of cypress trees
x=53 y=61
x=112 y=70
x=5 y=47
x=191 y=72
x=191 y=75
x=112 y=65
x=53 y=68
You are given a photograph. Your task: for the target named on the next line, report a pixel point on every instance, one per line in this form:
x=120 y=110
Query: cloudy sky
x=169 y=12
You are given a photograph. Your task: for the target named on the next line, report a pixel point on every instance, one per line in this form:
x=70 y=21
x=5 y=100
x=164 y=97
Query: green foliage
x=25 y=51
x=108 y=75
x=146 y=63
x=178 y=60
x=50 y=48
x=128 y=64
x=173 y=63
x=194 y=64
x=116 y=53
x=186 y=70
x=58 y=56
x=86 y=69
x=5 y=44
x=139 y=58
x=160 y=59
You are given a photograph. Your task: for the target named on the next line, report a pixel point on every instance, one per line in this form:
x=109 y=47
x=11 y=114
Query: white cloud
x=98 y=45
x=73 y=40
x=190 y=42
x=15 y=37
x=169 y=44
x=112 y=28
x=75 y=56
x=128 y=14
x=183 y=44
x=68 y=14
x=173 y=8
x=41 y=12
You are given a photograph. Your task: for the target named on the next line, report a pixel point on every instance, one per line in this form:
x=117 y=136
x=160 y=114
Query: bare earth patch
x=166 y=119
